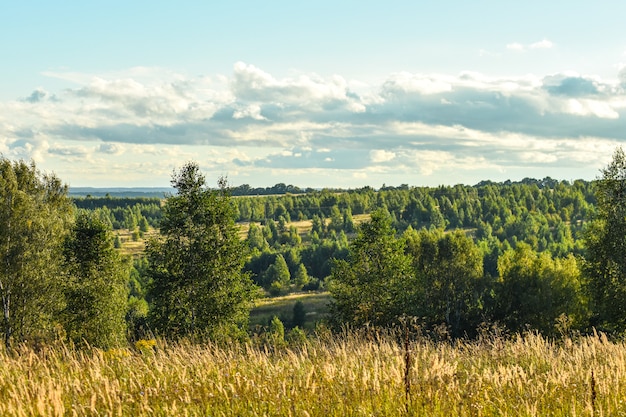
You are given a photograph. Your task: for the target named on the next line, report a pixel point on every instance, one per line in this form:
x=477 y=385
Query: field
x=132 y=247
x=351 y=375
x=137 y=247
x=315 y=307
x=303 y=226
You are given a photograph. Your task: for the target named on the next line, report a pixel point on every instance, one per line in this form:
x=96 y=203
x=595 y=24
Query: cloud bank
x=134 y=127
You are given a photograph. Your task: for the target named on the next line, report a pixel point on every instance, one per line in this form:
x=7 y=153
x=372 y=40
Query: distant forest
x=545 y=216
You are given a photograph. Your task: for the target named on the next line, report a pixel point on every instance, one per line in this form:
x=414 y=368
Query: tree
x=299 y=314
x=278 y=276
x=34 y=216
x=534 y=290
x=198 y=284
x=605 y=239
x=371 y=286
x=448 y=268
x=301 y=277
x=96 y=285
x=256 y=240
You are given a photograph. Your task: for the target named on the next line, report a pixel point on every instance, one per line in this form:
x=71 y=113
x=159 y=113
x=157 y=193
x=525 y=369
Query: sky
x=314 y=94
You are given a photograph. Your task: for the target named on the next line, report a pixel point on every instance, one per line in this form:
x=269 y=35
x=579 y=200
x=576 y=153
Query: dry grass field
x=303 y=226
x=315 y=306
x=352 y=375
x=132 y=247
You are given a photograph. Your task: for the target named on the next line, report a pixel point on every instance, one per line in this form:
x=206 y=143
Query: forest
x=542 y=255
x=510 y=291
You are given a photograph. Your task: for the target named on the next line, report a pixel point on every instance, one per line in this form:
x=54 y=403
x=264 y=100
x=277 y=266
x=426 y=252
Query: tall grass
x=345 y=376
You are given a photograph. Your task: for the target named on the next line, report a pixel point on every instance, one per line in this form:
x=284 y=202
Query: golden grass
x=346 y=376
x=315 y=306
x=131 y=247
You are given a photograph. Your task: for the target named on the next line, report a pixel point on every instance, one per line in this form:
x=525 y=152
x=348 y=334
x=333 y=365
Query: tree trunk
x=6 y=316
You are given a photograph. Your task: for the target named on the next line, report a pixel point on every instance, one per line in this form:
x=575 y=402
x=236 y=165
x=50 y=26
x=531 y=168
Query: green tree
x=143 y=224
x=198 y=284
x=299 y=314
x=34 y=216
x=256 y=240
x=277 y=333
x=301 y=277
x=278 y=276
x=605 y=239
x=535 y=289
x=449 y=268
x=96 y=285
x=371 y=286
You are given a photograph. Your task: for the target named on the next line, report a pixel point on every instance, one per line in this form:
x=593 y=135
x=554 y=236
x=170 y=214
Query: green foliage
x=198 y=285
x=34 y=216
x=448 y=268
x=301 y=277
x=96 y=285
x=370 y=286
x=277 y=332
x=137 y=318
x=299 y=314
x=605 y=257
x=296 y=337
x=256 y=240
x=123 y=212
x=535 y=290
x=278 y=276
x=143 y=224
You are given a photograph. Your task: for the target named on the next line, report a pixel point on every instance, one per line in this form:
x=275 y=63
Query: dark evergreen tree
x=96 y=285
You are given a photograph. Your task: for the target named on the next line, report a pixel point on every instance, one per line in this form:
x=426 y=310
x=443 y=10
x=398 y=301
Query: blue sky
x=337 y=94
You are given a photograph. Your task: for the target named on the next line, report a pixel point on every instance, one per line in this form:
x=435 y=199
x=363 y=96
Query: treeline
x=122 y=212
x=537 y=254
x=540 y=212
x=547 y=216
x=280 y=188
x=443 y=281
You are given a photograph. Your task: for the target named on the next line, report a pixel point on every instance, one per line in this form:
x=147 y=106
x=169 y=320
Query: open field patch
x=315 y=307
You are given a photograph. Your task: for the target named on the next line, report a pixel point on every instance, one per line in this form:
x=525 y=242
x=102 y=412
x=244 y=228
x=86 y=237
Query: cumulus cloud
x=571 y=85
x=254 y=123
x=37 y=95
x=381 y=155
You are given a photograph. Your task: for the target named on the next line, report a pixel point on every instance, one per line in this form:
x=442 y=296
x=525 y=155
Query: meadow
x=355 y=374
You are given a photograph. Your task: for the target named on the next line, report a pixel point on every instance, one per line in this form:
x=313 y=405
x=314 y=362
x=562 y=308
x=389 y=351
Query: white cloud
x=252 y=111
x=415 y=83
x=381 y=155
x=515 y=46
x=520 y=47
x=256 y=123
x=543 y=44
